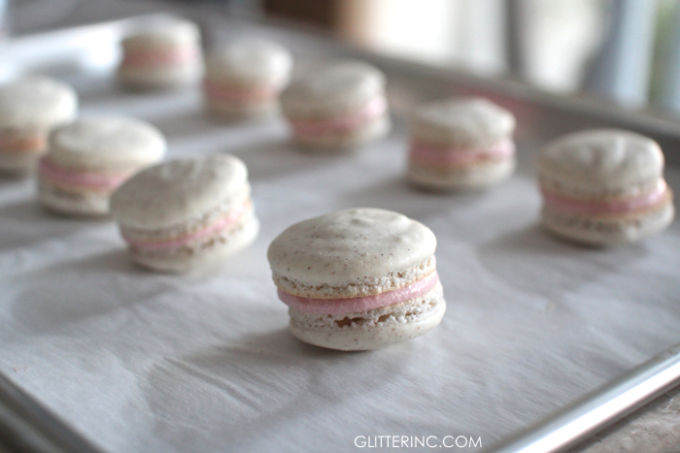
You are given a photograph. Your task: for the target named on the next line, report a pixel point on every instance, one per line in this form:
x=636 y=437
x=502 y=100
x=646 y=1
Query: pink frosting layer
x=137 y=58
x=15 y=141
x=314 y=128
x=238 y=95
x=360 y=304
x=429 y=154
x=211 y=229
x=79 y=179
x=603 y=207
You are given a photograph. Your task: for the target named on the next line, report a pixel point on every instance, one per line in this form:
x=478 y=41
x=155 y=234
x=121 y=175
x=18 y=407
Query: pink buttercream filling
x=430 y=154
x=22 y=144
x=136 y=58
x=238 y=95
x=313 y=128
x=211 y=229
x=602 y=207
x=80 y=179
x=360 y=304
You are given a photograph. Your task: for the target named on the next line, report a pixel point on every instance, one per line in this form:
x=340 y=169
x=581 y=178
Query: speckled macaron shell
x=601 y=163
x=250 y=62
x=334 y=88
x=178 y=191
x=107 y=143
x=462 y=122
x=163 y=33
x=603 y=230
x=37 y=102
x=351 y=253
x=478 y=176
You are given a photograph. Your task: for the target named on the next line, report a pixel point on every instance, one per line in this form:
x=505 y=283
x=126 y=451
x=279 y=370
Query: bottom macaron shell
x=593 y=230
x=372 y=329
x=161 y=78
x=19 y=162
x=252 y=110
x=73 y=202
x=461 y=177
x=341 y=140
x=203 y=254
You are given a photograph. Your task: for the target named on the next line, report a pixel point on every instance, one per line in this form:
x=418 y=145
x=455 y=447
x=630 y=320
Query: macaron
x=163 y=55
x=186 y=213
x=338 y=105
x=358 y=279
x=30 y=108
x=461 y=143
x=244 y=78
x=604 y=186
x=89 y=158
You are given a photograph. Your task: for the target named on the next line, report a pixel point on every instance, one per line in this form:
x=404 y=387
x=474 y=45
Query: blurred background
x=623 y=51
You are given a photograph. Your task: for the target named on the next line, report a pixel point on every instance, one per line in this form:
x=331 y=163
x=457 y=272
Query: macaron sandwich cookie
x=339 y=105
x=164 y=55
x=603 y=187
x=244 y=78
x=358 y=279
x=461 y=143
x=29 y=108
x=186 y=213
x=90 y=158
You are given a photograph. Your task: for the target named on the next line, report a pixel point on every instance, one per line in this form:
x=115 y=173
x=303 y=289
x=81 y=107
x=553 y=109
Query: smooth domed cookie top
x=251 y=61
x=604 y=158
x=178 y=191
x=469 y=122
x=345 y=246
x=333 y=88
x=164 y=32
x=36 y=101
x=104 y=141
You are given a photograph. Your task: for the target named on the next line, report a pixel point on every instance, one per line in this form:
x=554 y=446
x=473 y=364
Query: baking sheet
x=204 y=362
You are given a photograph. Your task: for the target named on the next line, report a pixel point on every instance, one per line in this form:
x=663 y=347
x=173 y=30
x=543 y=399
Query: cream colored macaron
x=186 y=213
x=244 y=78
x=89 y=158
x=340 y=104
x=604 y=186
x=30 y=108
x=164 y=54
x=461 y=143
x=358 y=279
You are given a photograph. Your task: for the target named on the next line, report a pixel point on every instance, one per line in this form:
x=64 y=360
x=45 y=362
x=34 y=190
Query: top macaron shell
x=250 y=61
x=602 y=160
x=177 y=191
x=106 y=142
x=176 y=32
x=336 y=88
x=350 y=246
x=37 y=102
x=465 y=123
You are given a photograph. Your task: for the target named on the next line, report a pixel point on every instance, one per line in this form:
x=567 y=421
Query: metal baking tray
x=80 y=53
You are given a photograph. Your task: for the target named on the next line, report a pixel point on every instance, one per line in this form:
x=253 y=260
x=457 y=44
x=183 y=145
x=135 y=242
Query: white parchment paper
x=141 y=362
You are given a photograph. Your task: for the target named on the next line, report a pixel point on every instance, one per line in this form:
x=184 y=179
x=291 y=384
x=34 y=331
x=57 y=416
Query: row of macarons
x=601 y=186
